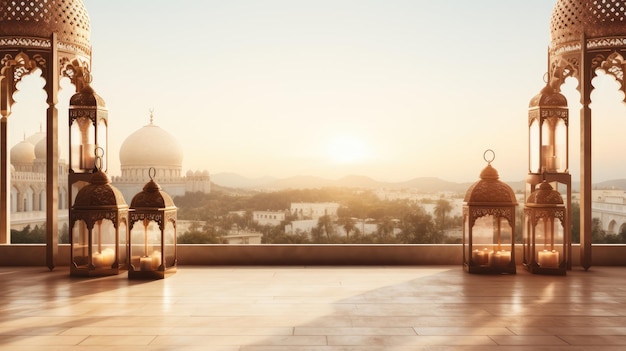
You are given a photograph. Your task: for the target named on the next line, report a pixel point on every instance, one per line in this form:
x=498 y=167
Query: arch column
x=6 y=91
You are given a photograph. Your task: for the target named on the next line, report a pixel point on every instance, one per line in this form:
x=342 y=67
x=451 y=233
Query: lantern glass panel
x=146 y=246
x=123 y=235
x=549 y=242
x=482 y=239
x=466 y=230
x=103 y=244
x=102 y=142
x=534 y=161
x=169 y=237
x=80 y=244
x=560 y=142
x=83 y=145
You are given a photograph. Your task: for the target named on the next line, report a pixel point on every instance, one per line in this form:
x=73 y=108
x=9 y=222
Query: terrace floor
x=320 y=308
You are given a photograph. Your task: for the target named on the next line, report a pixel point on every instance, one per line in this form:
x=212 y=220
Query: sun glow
x=346 y=150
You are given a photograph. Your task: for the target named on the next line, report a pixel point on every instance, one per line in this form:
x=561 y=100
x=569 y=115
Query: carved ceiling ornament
x=589 y=30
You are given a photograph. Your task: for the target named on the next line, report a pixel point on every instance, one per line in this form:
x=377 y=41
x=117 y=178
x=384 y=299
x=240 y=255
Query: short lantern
x=99 y=222
x=545 y=247
x=153 y=252
x=489 y=224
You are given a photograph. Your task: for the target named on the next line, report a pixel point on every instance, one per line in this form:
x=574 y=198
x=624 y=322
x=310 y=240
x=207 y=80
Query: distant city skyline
x=392 y=90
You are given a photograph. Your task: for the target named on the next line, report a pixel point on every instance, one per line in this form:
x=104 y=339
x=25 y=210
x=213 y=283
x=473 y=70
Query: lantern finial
x=489 y=155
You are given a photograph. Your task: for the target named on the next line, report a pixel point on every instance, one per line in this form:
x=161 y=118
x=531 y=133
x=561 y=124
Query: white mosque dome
x=23 y=152
x=40 y=149
x=37 y=137
x=151 y=146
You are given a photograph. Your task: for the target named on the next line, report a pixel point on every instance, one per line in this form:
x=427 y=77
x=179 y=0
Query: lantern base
x=94 y=272
x=150 y=274
x=506 y=269
x=536 y=269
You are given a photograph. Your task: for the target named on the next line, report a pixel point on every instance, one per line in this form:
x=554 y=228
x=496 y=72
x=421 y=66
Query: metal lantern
x=153 y=252
x=88 y=119
x=99 y=224
x=548 y=148
x=545 y=245
x=489 y=224
x=548 y=132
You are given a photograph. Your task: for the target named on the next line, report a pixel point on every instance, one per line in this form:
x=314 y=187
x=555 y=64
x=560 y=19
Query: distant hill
x=611 y=184
x=423 y=184
x=233 y=180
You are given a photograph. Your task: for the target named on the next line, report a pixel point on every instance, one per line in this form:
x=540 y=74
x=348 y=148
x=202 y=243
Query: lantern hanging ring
x=99 y=154
x=491 y=157
x=152 y=173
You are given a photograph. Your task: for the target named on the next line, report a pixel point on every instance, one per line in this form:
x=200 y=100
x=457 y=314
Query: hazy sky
x=389 y=89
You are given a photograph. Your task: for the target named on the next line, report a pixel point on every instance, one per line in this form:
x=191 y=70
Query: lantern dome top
x=152 y=197
x=595 y=19
x=40 y=18
x=87 y=97
x=545 y=195
x=151 y=146
x=548 y=97
x=99 y=194
x=490 y=190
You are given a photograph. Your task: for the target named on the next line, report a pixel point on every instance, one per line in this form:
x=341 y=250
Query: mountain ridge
x=424 y=184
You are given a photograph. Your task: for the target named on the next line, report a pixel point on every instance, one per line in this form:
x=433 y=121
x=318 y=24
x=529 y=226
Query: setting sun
x=346 y=149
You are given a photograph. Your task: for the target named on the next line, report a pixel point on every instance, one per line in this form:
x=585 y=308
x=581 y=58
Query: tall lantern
x=548 y=156
x=489 y=224
x=99 y=224
x=153 y=253
x=545 y=225
x=88 y=120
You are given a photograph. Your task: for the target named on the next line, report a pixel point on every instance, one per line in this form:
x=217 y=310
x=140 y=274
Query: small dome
x=490 y=190
x=152 y=197
x=99 y=194
x=190 y=173
x=545 y=195
x=40 y=18
x=40 y=149
x=23 y=152
x=549 y=98
x=36 y=138
x=151 y=146
x=596 y=19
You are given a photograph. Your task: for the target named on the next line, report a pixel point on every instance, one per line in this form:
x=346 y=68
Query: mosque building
x=28 y=182
x=138 y=155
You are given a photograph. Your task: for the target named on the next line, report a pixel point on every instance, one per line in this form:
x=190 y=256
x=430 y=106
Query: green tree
x=442 y=208
x=348 y=225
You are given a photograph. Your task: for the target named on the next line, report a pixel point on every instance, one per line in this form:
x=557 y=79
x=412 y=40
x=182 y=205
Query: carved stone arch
x=561 y=68
x=77 y=69
x=614 y=65
x=14 y=68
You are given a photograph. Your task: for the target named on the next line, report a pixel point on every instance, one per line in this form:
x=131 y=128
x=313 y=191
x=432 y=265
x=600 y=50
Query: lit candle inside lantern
x=97 y=260
x=156 y=260
x=145 y=263
x=502 y=258
x=480 y=257
x=108 y=257
x=549 y=259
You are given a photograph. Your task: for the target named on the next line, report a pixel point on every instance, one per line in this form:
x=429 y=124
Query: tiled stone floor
x=314 y=309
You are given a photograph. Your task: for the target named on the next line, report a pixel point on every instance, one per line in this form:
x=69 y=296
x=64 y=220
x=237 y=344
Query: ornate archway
x=52 y=36
x=587 y=36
